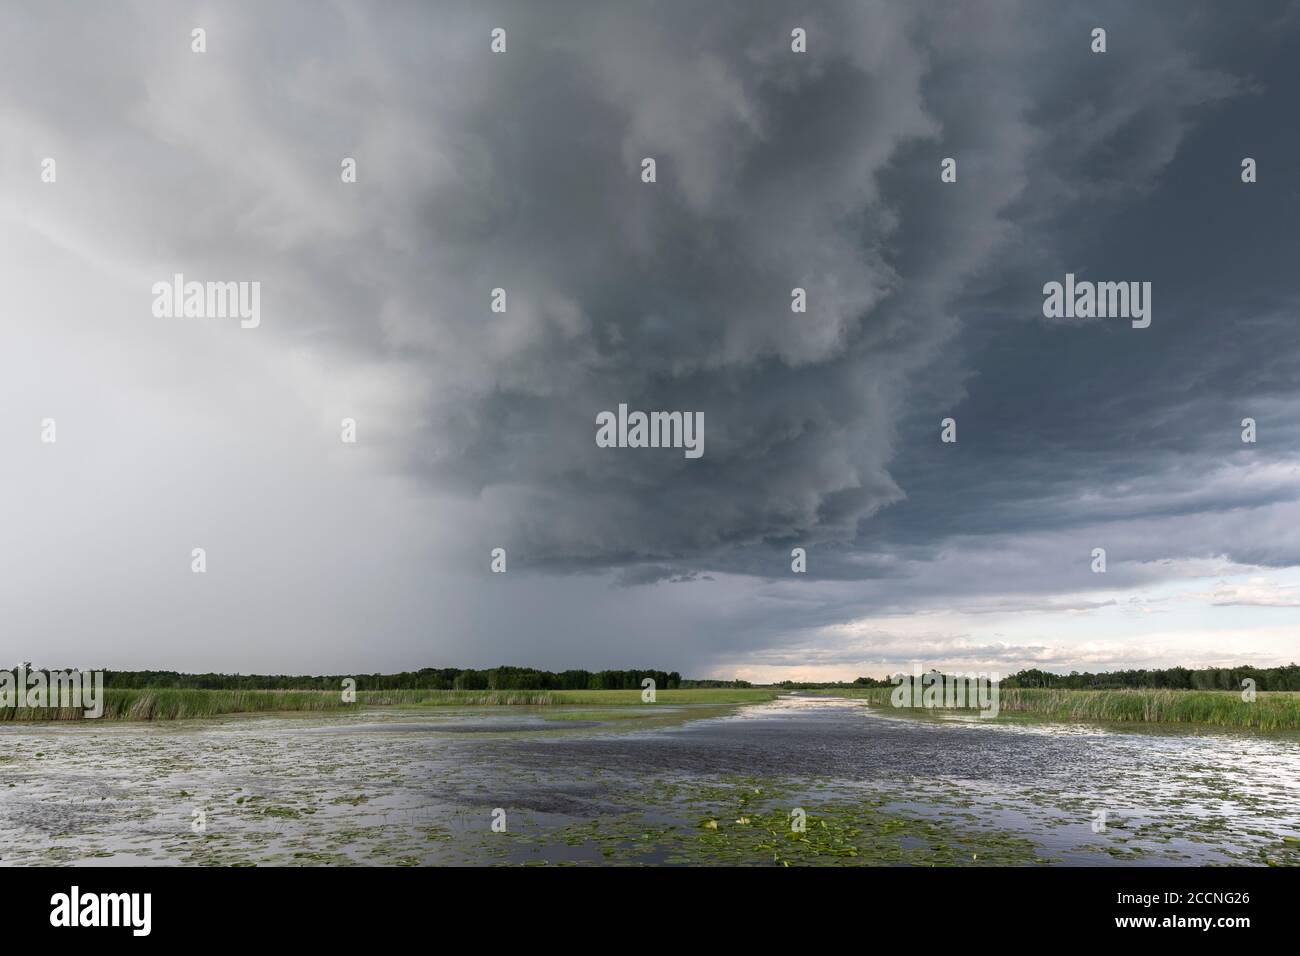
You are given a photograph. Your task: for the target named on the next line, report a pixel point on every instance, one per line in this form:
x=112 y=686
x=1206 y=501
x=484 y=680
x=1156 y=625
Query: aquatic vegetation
x=1271 y=710
x=862 y=834
x=178 y=704
x=731 y=822
x=542 y=698
x=313 y=790
x=174 y=704
x=1277 y=710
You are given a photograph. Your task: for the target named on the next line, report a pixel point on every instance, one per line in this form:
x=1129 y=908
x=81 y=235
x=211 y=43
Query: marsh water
x=795 y=781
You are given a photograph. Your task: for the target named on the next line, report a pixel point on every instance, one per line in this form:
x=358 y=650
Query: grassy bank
x=1269 y=711
x=171 y=704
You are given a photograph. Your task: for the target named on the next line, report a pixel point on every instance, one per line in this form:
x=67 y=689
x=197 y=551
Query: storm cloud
x=521 y=171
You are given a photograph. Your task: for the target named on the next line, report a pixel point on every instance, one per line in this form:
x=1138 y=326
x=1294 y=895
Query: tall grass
x=1273 y=710
x=438 y=698
x=174 y=704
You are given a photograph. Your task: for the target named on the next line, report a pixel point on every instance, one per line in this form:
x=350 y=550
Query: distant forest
x=1176 y=678
x=1173 y=678
x=528 y=678
x=428 y=678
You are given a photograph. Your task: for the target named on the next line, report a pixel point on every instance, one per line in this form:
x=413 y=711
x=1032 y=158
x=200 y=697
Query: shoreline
x=169 y=704
x=1270 y=712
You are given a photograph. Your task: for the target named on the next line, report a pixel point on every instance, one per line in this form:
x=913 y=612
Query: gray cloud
x=775 y=170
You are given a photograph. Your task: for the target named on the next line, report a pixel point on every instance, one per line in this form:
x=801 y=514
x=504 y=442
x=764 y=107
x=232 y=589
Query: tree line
x=1171 y=678
x=428 y=678
x=528 y=678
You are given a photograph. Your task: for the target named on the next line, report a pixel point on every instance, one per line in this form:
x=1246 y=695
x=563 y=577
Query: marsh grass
x=544 y=698
x=1270 y=711
x=174 y=704
x=1273 y=710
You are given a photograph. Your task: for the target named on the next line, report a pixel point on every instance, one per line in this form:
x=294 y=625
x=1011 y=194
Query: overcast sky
x=476 y=430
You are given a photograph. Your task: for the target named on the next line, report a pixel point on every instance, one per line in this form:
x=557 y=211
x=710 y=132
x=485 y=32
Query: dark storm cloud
x=1065 y=425
x=776 y=170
